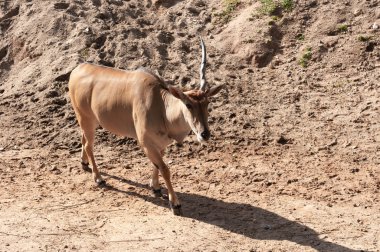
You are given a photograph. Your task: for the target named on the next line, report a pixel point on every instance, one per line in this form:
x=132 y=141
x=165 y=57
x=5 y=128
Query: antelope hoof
x=157 y=193
x=177 y=209
x=100 y=182
x=86 y=167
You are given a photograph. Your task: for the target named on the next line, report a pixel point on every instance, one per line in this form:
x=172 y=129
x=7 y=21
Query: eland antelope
x=138 y=104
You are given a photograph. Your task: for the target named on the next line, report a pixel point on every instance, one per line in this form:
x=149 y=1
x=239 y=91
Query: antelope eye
x=189 y=106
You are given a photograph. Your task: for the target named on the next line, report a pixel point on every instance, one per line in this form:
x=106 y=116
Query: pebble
x=54 y=169
x=358 y=12
x=21 y=164
x=51 y=94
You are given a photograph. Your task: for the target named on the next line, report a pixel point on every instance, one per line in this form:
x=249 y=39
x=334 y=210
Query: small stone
x=51 y=94
x=54 y=169
x=21 y=164
x=283 y=140
x=232 y=115
x=375 y=26
x=59 y=101
x=354 y=170
x=358 y=12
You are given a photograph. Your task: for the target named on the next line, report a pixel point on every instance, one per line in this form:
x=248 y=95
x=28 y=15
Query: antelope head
x=195 y=102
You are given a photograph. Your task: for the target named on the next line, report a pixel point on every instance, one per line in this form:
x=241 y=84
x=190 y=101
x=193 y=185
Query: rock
x=54 y=169
x=354 y=170
x=163 y=3
x=51 y=94
x=165 y=37
x=61 y=101
x=358 y=12
x=21 y=164
x=283 y=140
x=63 y=77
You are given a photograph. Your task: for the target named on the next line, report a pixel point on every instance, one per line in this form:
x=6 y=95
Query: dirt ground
x=293 y=162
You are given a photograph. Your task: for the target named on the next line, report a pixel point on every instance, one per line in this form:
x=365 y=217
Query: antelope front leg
x=84 y=157
x=156 y=158
x=89 y=150
x=173 y=200
x=154 y=184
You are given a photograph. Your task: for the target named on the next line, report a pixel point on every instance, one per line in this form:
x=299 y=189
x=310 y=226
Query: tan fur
x=135 y=104
x=197 y=95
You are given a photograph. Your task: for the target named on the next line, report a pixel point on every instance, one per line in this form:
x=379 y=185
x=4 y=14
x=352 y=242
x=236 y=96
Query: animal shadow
x=244 y=219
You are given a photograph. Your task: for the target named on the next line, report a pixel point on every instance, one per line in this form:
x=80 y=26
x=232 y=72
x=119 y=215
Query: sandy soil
x=293 y=163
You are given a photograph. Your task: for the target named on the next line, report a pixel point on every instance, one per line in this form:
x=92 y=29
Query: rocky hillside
x=293 y=161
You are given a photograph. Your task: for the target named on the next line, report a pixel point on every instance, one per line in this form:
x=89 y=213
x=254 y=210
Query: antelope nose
x=205 y=134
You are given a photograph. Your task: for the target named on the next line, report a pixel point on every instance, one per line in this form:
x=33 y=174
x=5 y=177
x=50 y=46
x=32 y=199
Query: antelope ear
x=177 y=93
x=214 y=90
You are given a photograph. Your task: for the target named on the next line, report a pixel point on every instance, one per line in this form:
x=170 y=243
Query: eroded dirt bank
x=293 y=164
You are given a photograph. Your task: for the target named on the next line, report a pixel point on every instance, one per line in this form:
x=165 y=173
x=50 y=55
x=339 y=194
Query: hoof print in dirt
x=177 y=210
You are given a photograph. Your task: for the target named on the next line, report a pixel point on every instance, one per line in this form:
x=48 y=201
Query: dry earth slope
x=294 y=160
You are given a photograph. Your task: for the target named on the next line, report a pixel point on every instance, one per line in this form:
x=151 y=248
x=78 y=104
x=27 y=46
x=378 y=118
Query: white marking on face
x=199 y=137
